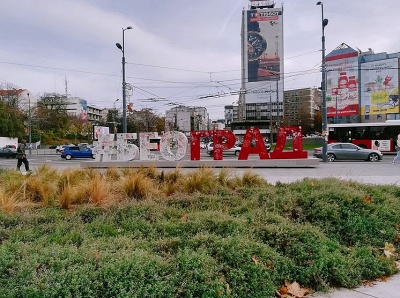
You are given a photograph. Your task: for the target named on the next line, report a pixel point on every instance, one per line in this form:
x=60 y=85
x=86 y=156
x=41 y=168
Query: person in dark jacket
x=21 y=156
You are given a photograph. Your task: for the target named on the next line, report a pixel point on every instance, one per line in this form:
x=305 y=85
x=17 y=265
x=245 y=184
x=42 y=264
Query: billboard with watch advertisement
x=262 y=54
x=380 y=87
x=342 y=85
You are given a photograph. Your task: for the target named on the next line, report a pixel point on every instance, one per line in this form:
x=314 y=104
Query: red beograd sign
x=106 y=147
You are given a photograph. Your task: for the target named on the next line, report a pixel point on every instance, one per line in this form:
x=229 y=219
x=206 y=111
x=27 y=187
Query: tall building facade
x=186 y=119
x=261 y=99
x=302 y=107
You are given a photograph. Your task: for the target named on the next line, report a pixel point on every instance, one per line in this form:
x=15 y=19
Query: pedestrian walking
x=21 y=156
x=398 y=149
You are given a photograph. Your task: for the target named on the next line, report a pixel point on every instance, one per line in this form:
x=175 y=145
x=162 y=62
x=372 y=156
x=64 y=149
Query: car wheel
x=93 y=157
x=211 y=153
x=68 y=156
x=237 y=152
x=330 y=157
x=373 y=157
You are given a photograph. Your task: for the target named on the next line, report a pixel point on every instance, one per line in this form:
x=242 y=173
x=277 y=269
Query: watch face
x=256 y=45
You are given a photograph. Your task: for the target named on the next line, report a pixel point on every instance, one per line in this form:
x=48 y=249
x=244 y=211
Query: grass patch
x=145 y=233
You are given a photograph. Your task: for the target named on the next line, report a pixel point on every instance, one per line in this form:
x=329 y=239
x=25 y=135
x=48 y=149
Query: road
x=383 y=172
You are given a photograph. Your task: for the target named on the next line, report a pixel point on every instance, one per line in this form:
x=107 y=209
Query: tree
x=145 y=120
x=12 y=117
x=114 y=121
x=78 y=128
x=286 y=121
x=318 y=121
x=51 y=113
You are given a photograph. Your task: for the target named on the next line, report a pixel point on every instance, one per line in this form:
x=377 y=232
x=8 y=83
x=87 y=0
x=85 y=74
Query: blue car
x=69 y=152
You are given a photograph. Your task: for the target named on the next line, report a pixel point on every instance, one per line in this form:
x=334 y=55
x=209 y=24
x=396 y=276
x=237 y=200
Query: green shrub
x=231 y=241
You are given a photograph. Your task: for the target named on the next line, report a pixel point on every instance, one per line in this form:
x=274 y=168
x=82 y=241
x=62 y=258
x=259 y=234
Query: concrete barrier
x=254 y=163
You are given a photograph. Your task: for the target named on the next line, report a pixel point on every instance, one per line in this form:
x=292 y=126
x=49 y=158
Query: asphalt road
x=382 y=172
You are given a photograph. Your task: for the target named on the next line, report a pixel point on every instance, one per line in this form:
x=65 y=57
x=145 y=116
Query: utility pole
x=270 y=115
x=30 y=124
x=114 y=122
x=122 y=48
x=323 y=87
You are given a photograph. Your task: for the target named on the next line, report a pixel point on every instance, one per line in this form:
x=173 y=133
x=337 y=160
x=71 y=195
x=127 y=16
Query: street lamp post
x=30 y=124
x=270 y=116
x=336 y=116
x=114 y=112
x=122 y=48
x=323 y=88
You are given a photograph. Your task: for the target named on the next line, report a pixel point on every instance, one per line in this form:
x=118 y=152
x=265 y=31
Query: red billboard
x=342 y=84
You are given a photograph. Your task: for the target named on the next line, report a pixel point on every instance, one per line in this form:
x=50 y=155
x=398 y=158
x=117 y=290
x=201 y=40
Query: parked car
x=10 y=146
x=69 y=152
x=8 y=153
x=348 y=151
x=235 y=150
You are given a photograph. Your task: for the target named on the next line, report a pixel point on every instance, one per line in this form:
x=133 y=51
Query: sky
x=177 y=52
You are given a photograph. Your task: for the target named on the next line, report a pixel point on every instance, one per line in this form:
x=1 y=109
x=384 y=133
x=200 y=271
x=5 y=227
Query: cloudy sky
x=177 y=52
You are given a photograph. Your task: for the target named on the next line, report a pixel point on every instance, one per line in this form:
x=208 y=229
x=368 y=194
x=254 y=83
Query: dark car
x=69 y=152
x=10 y=146
x=8 y=153
x=348 y=151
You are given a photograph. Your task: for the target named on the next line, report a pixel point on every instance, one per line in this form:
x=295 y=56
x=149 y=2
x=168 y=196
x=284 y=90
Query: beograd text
x=252 y=143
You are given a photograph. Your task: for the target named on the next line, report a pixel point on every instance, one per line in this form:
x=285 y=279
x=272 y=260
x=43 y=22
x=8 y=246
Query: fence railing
x=42 y=152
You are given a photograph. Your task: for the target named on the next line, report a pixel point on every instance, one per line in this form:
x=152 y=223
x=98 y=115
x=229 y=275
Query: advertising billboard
x=228 y=114
x=83 y=115
x=100 y=130
x=380 y=87
x=342 y=85
x=262 y=53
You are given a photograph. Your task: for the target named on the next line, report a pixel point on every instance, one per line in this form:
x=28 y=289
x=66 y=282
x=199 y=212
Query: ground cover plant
x=152 y=233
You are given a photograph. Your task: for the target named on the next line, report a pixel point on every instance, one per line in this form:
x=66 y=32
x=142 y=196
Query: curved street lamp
x=323 y=88
x=122 y=48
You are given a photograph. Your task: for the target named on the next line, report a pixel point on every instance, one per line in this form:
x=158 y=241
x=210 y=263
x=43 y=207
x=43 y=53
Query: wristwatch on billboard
x=256 y=45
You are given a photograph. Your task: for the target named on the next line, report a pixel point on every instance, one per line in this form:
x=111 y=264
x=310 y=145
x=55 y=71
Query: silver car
x=348 y=151
x=235 y=150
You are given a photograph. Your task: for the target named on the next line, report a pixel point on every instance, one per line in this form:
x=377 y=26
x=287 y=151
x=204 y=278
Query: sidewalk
x=377 y=289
